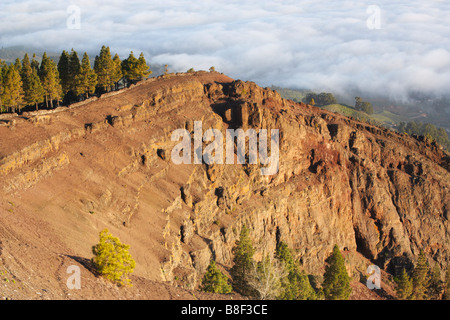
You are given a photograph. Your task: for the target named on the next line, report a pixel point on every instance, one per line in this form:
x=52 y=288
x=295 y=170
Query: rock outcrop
x=382 y=197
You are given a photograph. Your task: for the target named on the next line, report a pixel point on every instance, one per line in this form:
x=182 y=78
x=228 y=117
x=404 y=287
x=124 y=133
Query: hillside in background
x=394 y=115
x=10 y=54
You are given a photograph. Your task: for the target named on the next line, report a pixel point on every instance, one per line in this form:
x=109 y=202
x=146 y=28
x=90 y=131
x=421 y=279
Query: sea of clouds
x=384 y=47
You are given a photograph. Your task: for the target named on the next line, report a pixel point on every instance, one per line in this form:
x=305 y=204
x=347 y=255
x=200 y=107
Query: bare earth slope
x=67 y=174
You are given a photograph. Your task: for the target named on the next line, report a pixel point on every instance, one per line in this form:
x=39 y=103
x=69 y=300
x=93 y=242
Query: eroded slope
x=69 y=173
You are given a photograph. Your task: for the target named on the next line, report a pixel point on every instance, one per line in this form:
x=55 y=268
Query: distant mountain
x=418 y=107
x=10 y=54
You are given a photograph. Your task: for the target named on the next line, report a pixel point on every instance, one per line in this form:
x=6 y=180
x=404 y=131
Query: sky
x=380 y=46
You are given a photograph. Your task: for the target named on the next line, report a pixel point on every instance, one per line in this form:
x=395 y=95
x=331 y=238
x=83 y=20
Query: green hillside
x=291 y=94
x=384 y=118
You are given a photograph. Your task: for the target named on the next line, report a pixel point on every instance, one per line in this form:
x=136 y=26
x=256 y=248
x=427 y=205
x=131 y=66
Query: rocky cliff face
x=379 y=195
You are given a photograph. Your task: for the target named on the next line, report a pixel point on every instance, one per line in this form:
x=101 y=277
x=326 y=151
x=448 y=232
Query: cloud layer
x=389 y=47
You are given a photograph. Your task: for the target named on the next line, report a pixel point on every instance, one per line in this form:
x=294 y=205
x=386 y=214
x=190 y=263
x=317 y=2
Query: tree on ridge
x=86 y=80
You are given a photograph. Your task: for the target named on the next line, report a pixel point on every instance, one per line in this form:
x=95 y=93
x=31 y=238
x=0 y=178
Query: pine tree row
x=30 y=83
x=423 y=283
x=277 y=275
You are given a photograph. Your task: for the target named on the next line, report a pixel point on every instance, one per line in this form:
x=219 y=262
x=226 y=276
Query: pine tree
x=296 y=285
x=404 y=285
x=18 y=65
x=283 y=253
x=144 y=69
x=63 y=70
x=104 y=68
x=135 y=69
x=446 y=295
x=12 y=88
x=33 y=91
x=112 y=259
x=2 y=64
x=243 y=262
x=130 y=68
x=74 y=70
x=49 y=75
x=26 y=67
x=435 y=287
x=86 y=80
x=214 y=280
x=336 y=283
x=301 y=288
x=117 y=70
x=420 y=278
x=35 y=64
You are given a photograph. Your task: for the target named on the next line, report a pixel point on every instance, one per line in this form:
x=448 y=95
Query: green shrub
x=214 y=280
x=336 y=283
x=296 y=286
x=112 y=259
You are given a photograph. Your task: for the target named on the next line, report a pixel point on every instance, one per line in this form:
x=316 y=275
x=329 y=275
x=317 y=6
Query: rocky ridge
x=68 y=173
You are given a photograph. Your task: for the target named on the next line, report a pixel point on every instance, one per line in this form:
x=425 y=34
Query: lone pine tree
x=112 y=259
x=243 y=262
x=214 y=280
x=336 y=283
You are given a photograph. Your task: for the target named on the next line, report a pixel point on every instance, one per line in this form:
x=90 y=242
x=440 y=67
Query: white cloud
x=304 y=44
